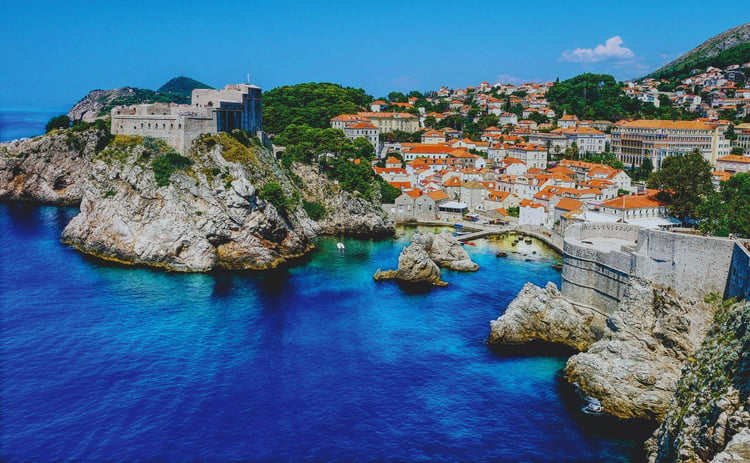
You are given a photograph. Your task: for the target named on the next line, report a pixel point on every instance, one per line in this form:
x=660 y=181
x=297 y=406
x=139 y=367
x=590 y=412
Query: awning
x=655 y=222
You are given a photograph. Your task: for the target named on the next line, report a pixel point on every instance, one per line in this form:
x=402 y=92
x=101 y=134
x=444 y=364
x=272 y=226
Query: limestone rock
x=709 y=416
x=346 y=214
x=538 y=314
x=445 y=250
x=198 y=222
x=634 y=368
x=89 y=107
x=414 y=266
x=50 y=169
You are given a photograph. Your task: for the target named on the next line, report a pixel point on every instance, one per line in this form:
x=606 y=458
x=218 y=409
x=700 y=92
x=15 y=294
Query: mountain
x=182 y=86
x=730 y=47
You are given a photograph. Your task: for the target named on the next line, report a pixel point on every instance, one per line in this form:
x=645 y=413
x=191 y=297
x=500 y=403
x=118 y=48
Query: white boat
x=340 y=246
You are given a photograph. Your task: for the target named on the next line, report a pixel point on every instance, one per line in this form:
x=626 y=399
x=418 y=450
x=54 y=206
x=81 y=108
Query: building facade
x=634 y=141
x=211 y=111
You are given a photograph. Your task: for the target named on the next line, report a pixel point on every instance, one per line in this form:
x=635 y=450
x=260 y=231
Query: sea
x=314 y=361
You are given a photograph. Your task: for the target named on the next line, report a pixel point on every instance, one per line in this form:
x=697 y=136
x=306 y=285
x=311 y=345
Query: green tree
x=430 y=122
x=647 y=166
x=312 y=104
x=684 y=182
x=728 y=211
x=58 y=122
x=274 y=194
x=738 y=150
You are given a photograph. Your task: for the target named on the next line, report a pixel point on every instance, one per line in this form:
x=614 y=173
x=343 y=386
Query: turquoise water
x=315 y=362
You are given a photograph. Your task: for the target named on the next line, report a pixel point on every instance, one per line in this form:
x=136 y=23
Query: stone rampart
x=692 y=265
x=600 y=259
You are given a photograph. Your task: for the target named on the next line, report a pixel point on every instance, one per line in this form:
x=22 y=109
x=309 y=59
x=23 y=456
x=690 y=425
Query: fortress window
x=179 y=126
x=171 y=126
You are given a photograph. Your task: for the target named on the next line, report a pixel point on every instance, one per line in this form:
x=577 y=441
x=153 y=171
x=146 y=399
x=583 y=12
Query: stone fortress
x=599 y=260
x=237 y=106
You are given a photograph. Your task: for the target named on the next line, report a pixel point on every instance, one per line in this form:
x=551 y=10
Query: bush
x=274 y=194
x=164 y=165
x=316 y=211
x=57 y=122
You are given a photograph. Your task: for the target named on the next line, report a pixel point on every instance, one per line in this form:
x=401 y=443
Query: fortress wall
x=692 y=265
x=593 y=277
x=191 y=129
x=738 y=284
x=165 y=127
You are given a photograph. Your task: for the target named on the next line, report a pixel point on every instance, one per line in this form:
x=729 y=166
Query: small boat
x=528 y=241
x=458 y=226
x=501 y=254
x=470 y=243
x=340 y=246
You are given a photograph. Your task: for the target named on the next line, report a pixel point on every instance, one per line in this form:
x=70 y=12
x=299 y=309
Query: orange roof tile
x=633 y=202
x=569 y=204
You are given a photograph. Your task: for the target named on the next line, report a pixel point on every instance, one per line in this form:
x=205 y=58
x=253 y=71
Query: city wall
x=693 y=266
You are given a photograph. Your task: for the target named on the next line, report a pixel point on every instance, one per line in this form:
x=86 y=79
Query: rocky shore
x=657 y=357
x=204 y=212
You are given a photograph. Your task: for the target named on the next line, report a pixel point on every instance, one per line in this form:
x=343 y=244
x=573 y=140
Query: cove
x=314 y=362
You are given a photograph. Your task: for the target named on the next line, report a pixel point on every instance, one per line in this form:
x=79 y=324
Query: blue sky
x=53 y=53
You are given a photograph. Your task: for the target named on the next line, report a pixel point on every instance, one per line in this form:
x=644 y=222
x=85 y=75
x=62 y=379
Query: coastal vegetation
x=312 y=104
x=728 y=210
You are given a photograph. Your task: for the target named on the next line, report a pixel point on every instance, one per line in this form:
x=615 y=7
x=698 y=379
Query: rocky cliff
x=49 y=169
x=96 y=101
x=630 y=360
x=709 y=418
x=197 y=214
x=344 y=213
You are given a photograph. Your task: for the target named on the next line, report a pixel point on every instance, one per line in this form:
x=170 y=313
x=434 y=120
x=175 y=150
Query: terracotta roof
x=438 y=195
x=569 y=204
x=400 y=185
x=734 y=158
x=453 y=181
x=658 y=124
x=415 y=193
x=362 y=125
x=633 y=202
x=560 y=170
x=393 y=160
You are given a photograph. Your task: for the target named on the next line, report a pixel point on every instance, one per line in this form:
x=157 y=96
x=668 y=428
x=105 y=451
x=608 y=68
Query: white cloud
x=612 y=49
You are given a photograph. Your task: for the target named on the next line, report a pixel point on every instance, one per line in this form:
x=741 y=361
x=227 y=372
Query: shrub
x=57 y=122
x=316 y=211
x=274 y=194
x=165 y=164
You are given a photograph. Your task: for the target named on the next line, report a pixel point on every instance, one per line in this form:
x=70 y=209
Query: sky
x=53 y=53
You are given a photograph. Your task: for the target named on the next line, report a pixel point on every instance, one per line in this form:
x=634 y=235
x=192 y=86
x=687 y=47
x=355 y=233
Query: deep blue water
x=316 y=362
x=21 y=123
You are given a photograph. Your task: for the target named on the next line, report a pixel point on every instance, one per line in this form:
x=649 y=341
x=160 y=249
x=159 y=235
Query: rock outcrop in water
x=420 y=262
x=50 y=169
x=538 y=314
x=208 y=216
x=631 y=360
x=445 y=251
x=415 y=267
x=709 y=417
